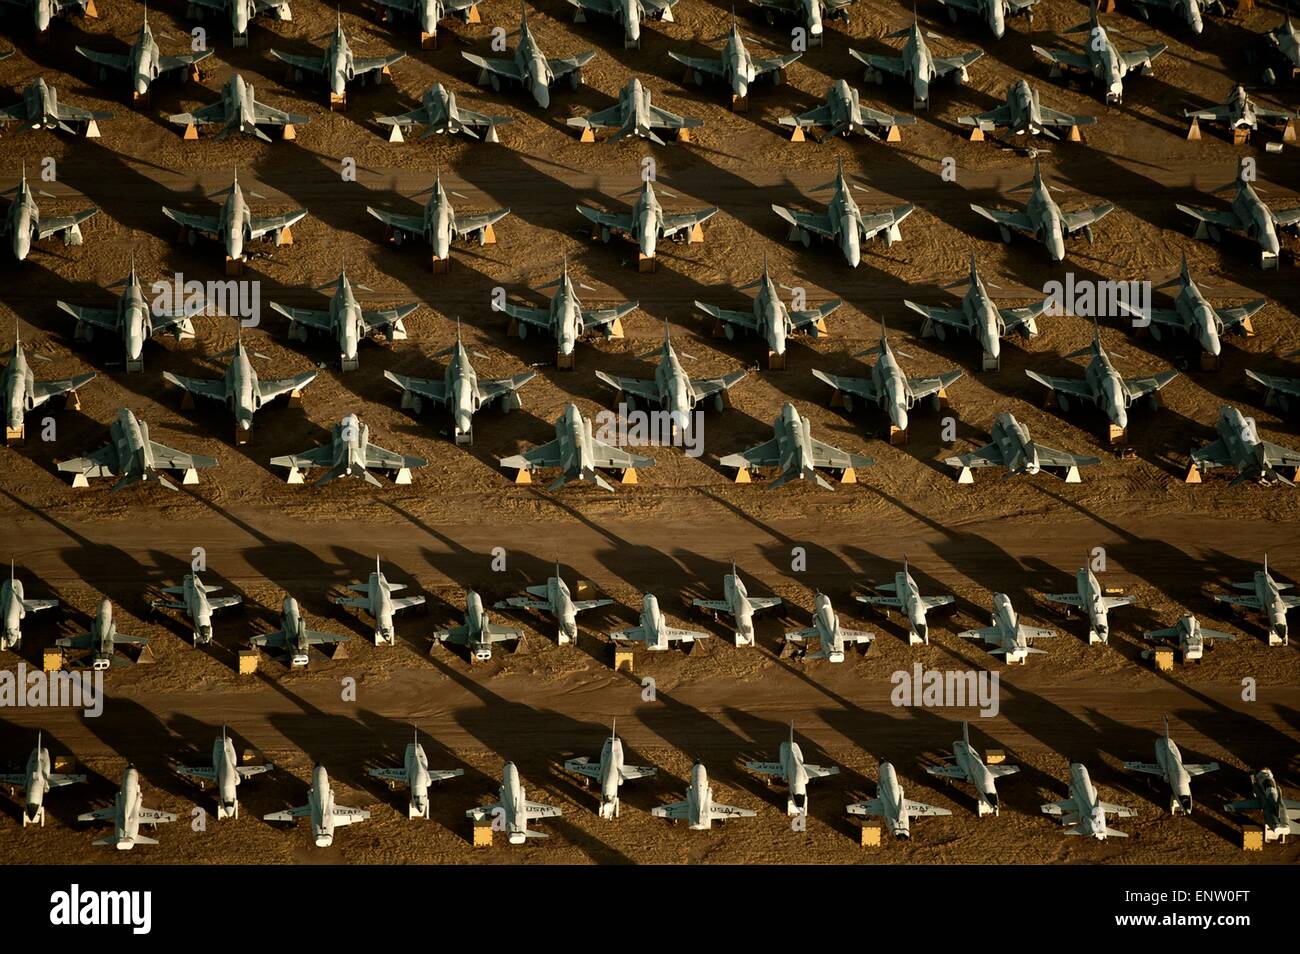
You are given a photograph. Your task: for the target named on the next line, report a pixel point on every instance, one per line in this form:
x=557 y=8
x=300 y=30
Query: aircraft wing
x=1000 y=116
x=1076 y=61
x=491 y=390
x=380 y=319
x=349 y=816
x=44 y=390
x=469 y=224
x=104 y=457
x=1245 y=805
x=606 y=455
x=1275 y=455
x=817 y=222
x=1077 y=387
x=771 y=64
x=953 y=317
x=35 y=606
x=153 y=816
x=1213 y=114
x=1275 y=383
x=60 y=223
x=766 y=454
x=1012 y=220
x=711 y=66
x=538 y=317
x=1070 y=599
x=801 y=319
x=316 y=457
x=469 y=117
x=872 y=806
x=1150 y=768
x=743 y=318
x=98 y=814
x=1022 y=319
x=1215 y=454
x=1034 y=632
x=583 y=766
x=1149 y=384
x=77 y=114
x=207 y=224
x=313 y=64
x=1232 y=317
x=205 y=772
x=881 y=600
x=604 y=118
x=201 y=387
x=506 y=68
x=856 y=636
x=613 y=220
x=216 y=113
x=169 y=458
x=221 y=602
x=277 y=117
x=1210 y=216
x=990 y=455
x=672 y=224
x=114 y=61
x=564 y=65
x=924 y=387
x=640 y=387
x=368 y=64
x=260 y=226
x=943 y=65
x=311 y=317
x=1073 y=221
x=766 y=768
x=629 y=772
x=389 y=774
x=722 y=812
x=544 y=455
x=922 y=810
x=663 y=117
x=600 y=317
x=946 y=771
x=707 y=386
x=270 y=390
x=1051 y=457
x=538 y=810
x=988 y=633
x=378 y=457
x=407 y=223
x=875 y=222
x=1135 y=59
x=716 y=606
x=168 y=63
x=672 y=634
x=887 y=64
x=580 y=605
x=676 y=810
x=1054 y=117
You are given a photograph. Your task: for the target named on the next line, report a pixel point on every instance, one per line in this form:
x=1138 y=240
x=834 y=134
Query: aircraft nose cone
x=901 y=421
x=1121 y=417
x=800 y=800
x=463 y=423
x=542 y=94
x=1185 y=802
x=33 y=811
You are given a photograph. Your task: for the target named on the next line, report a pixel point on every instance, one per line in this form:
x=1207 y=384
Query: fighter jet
x=1084 y=811
x=234 y=225
x=1193 y=315
x=810 y=14
x=22 y=393
x=379 y=603
x=1280 y=814
x=325 y=814
x=133 y=458
x=769 y=317
x=349 y=454
x=994 y=13
x=967 y=766
x=530 y=67
x=128 y=813
x=843 y=114
x=416 y=775
x=699 y=810
x=225 y=773
x=831 y=637
x=144 y=62
x=478 y=632
x=671 y=388
x=890 y=805
x=737 y=602
x=511 y=812
x=1190 y=12
x=907 y=598
x=1286 y=40
x=1267 y=599
x=653 y=629
x=1240 y=447
x=1178 y=775
x=735 y=66
x=102 y=640
x=439 y=111
x=916 y=65
x=338 y=64
x=1103 y=385
x=1248 y=215
x=1043 y=220
x=1189 y=636
x=346 y=320
x=578 y=454
x=629 y=13
x=293 y=638
x=888 y=387
x=240 y=13
x=634 y=115
x=238 y=111
x=1024 y=113
x=24 y=224
x=40 y=109
x=1013 y=448
x=14 y=607
x=566 y=319
x=1239 y=111
x=438 y=224
x=36 y=781
x=555 y=598
x=1101 y=59
x=795 y=772
x=980 y=317
x=193 y=593
x=1010 y=636
x=610 y=772
x=797 y=454
x=43 y=12
x=646 y=224
x=1091 y=598
x=844 y=222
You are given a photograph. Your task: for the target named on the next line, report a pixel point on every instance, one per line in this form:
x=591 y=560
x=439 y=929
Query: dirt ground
x=1172 y=545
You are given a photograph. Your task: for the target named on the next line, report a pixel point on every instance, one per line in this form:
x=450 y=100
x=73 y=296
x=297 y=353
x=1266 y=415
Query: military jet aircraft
x=1013 y=448
x=103 y=640
x=194 y=600
x=235 y=225
x=634 y=115
x=240 y=14
x=795 y=772
x=324 y=812
x=1281 y=815
x=994 y=13
x=416 y=775
x=1267 y=599
x=1285 y=39
x=338 y=64
x=24 y=224
x=577 y=454
x=36 y=782
x=40 y=109
x=700 y=811
x=439 y=111
x=43 y=12
x=293 y=639
x=379 y=603
x=915 y=64
x=1101 y=59
x=225 y=773
x=478 y=632
x=832 y=639
x=844 y=222
x=1023 y=112
x=737 y=603
x=797 y=454
x=1193 y=315
x=1091 y=598
x=1178 y=774
x=438 y=224
x=888 y=387
x=1247 y=215
x=671 y=388
x=1282 y=391
x=14 y=607
x=628 y=13
x=890 y=805
x=843 y=114
x=1190 y=12
x=1084 y=812
x=609 y=771
x=238 y=111
x=735 y=66
x=1043 y=220
x=1011 y=637
x=653 y=630
x=512 y=811
x=349 y=454
x=967 y=766
x=144 y=62
x=769 y=317
x=565 y=318
x=133 y=458
x=22 y=393
x=555 y=598
x=1240 y=447
x=530 y=67
x=1189 y=636
x=907 y=598
x=810 y=14
x=128 y=813
x=428 y=13
x=646 y=224
x=346 y=320
x=1239 y=111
